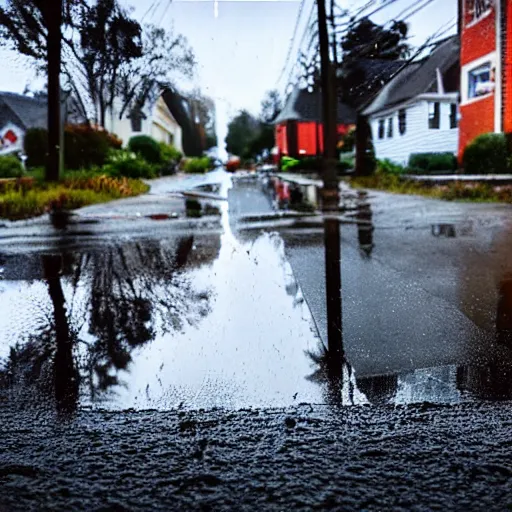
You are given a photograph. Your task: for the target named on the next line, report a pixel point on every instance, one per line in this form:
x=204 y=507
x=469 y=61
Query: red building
x=299 y=128
x=486 y=69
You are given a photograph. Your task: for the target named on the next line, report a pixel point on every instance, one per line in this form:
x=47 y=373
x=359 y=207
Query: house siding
x=418 y=138
x=158 y=124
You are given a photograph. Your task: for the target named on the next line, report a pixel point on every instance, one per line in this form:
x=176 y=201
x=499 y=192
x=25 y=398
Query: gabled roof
x=31 y=112
x=418 y=77
x=302 y=105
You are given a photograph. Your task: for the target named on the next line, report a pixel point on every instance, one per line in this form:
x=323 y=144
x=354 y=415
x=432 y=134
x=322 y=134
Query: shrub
x=169 y=153
x=431 y=162
x=387 y=166
x=147 y=147
x=10 y=167
x=486 y=154
x=113 y=140
x=197 y=165
x=85 y=147
x=75 y=194
x=36 y=147
x=288 y=163
x=347 y=141
x=170 y=157
x=130 y=166
x=346 y=163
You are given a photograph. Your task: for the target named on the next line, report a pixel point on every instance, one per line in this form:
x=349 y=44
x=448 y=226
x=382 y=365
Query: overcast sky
x=241 y=45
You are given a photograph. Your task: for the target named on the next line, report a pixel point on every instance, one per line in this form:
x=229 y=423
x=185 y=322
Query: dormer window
x=477 y=9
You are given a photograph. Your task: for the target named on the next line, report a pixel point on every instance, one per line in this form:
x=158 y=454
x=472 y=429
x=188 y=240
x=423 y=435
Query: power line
x=312 y=27
x=417 y=6
x=292 y=41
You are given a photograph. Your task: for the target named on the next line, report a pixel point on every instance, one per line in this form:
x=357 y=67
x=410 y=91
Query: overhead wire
x=405 y=14
x=292 y=40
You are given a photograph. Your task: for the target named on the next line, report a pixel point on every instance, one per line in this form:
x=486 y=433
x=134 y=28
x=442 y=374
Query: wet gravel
x=424 y=457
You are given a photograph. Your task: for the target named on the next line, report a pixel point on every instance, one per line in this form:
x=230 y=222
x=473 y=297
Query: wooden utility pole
x=53 y=17
x=330 y=202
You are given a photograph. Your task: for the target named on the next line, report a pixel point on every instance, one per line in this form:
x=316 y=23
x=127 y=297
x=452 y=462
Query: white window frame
x=485 y=68
x=466 y=70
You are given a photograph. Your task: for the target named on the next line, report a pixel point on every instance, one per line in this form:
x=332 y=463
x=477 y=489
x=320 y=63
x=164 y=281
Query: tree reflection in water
x=122 y=296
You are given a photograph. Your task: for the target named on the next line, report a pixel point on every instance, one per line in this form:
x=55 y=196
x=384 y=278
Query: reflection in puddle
x=365 y=226
x=183 y=322
x=444 y=230
x=201 y=321
x=445 y=384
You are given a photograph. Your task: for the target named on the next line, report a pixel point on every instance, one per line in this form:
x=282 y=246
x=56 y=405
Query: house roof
x=302 y=105
x=418 y=77
x=31 y=112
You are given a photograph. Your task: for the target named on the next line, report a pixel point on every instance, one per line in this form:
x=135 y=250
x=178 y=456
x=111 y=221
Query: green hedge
x=84 y=147
x=198 y=165
x=487 y=154
x=147 y=147
x=387 y=166
x=129 y=165
x=431 y=162
x=10 y=167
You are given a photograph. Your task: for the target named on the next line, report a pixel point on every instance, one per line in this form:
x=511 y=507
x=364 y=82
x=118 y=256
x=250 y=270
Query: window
x=453 y=115
x=478 y=8
x=402 y=121
x=136 y=117
x=382 y=128
x=390 y=127
x=480 y=81
x=434 y=117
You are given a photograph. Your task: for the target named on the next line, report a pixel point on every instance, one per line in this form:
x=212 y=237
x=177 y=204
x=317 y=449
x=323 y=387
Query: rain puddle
x=235 y=318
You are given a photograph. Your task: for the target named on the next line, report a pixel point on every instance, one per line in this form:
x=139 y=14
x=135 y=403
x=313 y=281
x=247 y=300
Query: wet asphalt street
x=209 y=333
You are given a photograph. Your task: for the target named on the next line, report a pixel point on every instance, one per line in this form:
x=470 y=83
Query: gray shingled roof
x=31 y=112
x=418 y=77
x=307 y=106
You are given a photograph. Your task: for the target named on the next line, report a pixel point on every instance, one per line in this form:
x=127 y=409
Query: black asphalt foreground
x=416 y=457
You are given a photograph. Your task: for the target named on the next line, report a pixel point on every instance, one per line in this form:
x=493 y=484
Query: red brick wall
x=478 y=39
x=477 y=118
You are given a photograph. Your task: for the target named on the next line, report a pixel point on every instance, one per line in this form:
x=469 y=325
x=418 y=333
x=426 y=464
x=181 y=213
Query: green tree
x=367 y=40
x=241 y=132
x=271 y=106
x=165 y=56
x=106 y=53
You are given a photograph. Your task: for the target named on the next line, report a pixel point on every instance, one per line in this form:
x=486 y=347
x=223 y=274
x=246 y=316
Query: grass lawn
x=455 y=191
x=32 y=198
